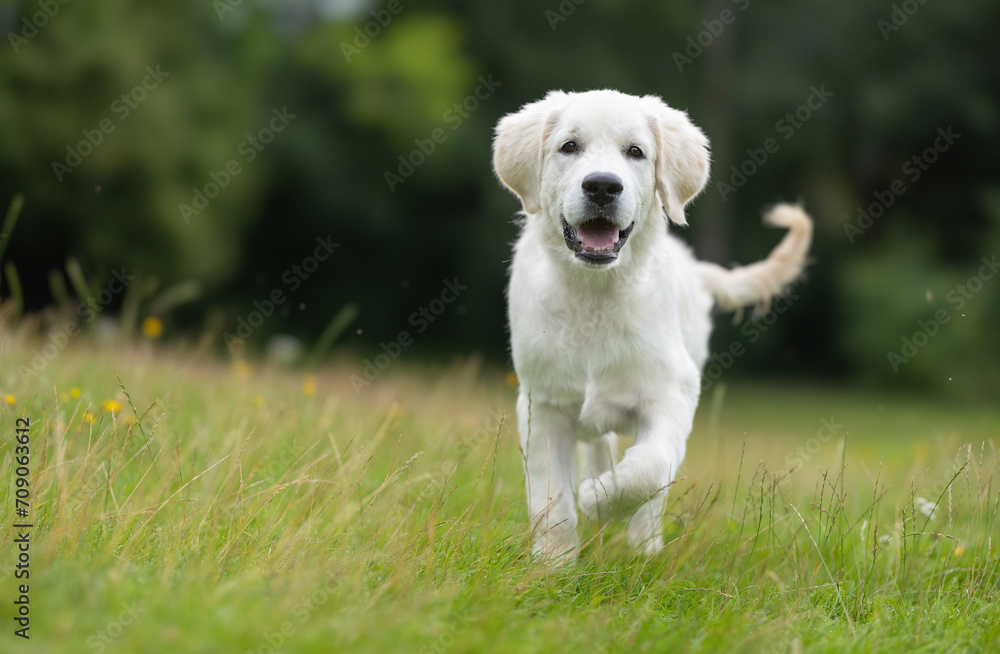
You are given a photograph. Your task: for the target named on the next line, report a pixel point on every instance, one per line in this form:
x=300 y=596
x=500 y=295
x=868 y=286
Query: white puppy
x=609 y=314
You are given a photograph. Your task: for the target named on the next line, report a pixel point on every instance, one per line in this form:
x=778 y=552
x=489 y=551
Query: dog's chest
x=577 y=346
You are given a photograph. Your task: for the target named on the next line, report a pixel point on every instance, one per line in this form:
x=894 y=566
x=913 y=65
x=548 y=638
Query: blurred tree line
x=145 y=134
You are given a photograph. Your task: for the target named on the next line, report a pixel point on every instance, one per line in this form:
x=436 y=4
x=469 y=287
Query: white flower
x=925 y=506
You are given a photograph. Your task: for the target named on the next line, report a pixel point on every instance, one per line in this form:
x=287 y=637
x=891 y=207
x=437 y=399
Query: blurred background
x=212 y=148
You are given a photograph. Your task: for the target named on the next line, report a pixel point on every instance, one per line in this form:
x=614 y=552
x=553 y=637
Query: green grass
x=241 y=514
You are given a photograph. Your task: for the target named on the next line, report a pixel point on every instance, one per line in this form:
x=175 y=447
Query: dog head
x=592 y=165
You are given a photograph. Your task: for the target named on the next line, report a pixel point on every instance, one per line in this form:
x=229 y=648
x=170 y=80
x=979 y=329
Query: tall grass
x=184 y=505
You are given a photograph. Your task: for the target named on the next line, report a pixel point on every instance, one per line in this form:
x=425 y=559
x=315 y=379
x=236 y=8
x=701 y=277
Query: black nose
x=602 y=188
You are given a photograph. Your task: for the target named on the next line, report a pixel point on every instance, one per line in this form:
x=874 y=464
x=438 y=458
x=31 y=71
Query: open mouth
x=596 y=241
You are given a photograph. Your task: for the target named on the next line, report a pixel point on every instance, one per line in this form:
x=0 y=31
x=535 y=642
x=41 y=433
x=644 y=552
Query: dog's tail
x=757 y=283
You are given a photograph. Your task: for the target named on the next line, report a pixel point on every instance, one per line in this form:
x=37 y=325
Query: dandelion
x=88 y=418
x=925 y=506
x=111 y=405
x=511 y=379
x=152 y=328
x=9 y=399
x=74 y=393
x=308 y=385
x=959 y=550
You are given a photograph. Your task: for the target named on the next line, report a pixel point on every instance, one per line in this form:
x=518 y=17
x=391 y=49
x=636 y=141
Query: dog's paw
x=649 y=546
x=645 y=528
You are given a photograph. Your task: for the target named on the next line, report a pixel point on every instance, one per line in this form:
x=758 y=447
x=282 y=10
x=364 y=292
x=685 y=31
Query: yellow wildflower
x=74 y=393
x=111 y=405
x=959 y=551
x=88 y=418
x=9 y=399
x=511 y=378
x=308 y=385
x=152 y=327
x=258 y=401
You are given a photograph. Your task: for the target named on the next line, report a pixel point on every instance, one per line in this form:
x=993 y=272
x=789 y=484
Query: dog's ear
x=518 y=148
x=682 y=158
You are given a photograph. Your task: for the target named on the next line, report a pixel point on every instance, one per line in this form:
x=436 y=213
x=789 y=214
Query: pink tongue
x=597 y=235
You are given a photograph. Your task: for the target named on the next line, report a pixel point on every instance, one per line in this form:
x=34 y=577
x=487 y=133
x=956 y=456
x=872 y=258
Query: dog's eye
x=636 y=152
x=569 y=147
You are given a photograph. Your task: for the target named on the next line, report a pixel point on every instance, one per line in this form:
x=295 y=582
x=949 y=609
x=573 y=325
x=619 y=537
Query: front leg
x=645 y=527
x=638 y=484
x=548 y=441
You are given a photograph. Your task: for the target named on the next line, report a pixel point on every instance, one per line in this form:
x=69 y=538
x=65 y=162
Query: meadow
x=186 y=503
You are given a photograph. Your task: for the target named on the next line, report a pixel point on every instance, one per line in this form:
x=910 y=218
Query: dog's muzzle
x=596 y=241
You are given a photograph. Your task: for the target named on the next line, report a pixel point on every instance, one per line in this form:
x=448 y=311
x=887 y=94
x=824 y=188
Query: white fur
x=617 y=347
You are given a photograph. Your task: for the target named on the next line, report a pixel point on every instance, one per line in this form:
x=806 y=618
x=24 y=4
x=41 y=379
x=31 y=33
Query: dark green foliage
x=232 y=65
